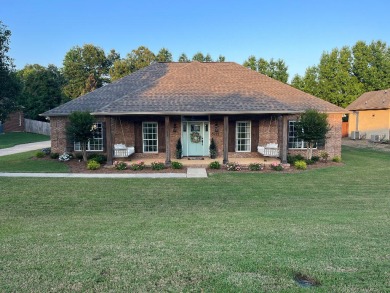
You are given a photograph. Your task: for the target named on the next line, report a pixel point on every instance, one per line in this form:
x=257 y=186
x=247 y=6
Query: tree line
x=340 y=77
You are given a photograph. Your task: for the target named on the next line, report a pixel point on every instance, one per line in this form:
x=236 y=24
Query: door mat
x=195 y=158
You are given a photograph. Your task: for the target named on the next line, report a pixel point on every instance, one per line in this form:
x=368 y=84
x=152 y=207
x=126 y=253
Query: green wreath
x=195 y=137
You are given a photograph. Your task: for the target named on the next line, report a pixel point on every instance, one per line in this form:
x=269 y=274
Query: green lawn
x=11 y=139
x=25 y=162
x=232 y=232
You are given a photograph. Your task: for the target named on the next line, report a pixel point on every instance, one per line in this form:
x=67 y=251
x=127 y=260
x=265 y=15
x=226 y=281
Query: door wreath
x=195 y=137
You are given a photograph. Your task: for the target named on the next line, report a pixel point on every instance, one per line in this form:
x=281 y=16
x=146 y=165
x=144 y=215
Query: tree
x=140 y=58
x=164 y=55
x=80 y=129
x=83 y=64
x=42 y=89
x=198 y=57
x=208 y=58
x=251 y=63
x=9 y=83
x=221 y=58
x=274 y=69
x=120 y=69
x=312 y=127
x=112 y=57
x=183 y=58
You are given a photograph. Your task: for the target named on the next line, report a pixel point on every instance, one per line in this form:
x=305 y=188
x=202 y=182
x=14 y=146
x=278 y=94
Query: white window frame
x=143 y=137
x=96 y=141
x=249 y=133
x=299 y=144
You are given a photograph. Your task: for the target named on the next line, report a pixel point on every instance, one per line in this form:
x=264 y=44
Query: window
x=95 y=144
x=243 y=136
x=293 y=141
x=150 y=137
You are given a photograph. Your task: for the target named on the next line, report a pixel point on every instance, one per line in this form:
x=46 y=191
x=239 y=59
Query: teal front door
x=197 y=139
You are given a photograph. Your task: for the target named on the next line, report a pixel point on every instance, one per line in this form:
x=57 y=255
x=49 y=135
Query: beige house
x=246 y=113
x=370 y=117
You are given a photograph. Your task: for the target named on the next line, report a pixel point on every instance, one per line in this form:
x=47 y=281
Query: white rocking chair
x=269 y=150
x=122 y=151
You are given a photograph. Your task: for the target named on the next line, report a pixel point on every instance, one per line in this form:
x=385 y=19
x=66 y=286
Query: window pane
x=243 y=136
x=150 y=141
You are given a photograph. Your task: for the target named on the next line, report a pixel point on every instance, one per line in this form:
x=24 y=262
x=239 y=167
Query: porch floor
x=206 y=161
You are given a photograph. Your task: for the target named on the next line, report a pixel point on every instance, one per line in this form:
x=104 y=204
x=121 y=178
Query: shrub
x=101 y=159
x=233 y=166
x=54 y=155
x=301 y=165
x=315 y=159
x=140 y=165
x=120 y=165
x=307 y=161
x=93 y=165
x=158 y=166
x=292 y=159
x=40 y=154
x=215 y=165
x=47 y=151
x=255 y=166
x=277 y=166
x=336 y=159
x=64 y=157
x=324 y=156
x=176 y=165
x=78 y=156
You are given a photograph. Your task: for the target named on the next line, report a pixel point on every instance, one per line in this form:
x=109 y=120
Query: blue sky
x=297 y=31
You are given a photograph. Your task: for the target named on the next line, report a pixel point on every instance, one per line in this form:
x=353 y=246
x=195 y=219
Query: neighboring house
x=152 y=108
x=14 y=122
x=370 y=117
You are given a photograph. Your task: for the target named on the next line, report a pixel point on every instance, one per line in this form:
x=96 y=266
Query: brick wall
x=216 y=132
x=14 y=123
x=58 y=134
x=268 y=130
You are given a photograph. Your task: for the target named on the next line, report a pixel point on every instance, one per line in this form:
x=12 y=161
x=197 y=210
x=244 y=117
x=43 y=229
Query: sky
x=297 y=31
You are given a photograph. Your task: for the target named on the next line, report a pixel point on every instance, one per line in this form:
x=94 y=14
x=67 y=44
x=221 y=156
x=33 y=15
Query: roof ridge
x=148 y=84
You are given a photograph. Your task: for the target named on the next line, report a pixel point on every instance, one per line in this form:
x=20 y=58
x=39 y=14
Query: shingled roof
x=195 y=88
x=371 y=101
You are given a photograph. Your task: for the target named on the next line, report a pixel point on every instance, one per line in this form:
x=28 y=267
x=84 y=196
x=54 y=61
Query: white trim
x=143 y=145
x=302 y=142
x=89 y=142
x=250 y=136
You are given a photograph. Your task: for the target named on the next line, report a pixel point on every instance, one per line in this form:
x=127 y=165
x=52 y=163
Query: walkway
x=191 y=173
x=21 y=148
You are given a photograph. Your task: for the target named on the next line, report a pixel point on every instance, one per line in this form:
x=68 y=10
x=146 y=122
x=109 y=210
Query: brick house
x=14 y=122
x=370 y=116
x=237 y=107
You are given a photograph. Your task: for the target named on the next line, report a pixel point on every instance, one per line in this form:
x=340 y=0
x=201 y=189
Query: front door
x=196 y=139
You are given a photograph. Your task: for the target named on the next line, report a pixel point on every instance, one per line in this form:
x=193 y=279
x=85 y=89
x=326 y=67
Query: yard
x=11 y=139
x=232 y=232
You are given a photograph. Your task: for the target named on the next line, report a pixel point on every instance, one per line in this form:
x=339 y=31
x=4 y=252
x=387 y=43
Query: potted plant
x=213 y=149
x=179 y=149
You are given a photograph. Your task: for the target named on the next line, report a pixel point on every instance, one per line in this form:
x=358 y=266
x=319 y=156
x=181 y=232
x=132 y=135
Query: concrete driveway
x=21 y=148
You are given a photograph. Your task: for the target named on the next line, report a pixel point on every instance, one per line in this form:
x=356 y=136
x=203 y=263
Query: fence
x=35 y=126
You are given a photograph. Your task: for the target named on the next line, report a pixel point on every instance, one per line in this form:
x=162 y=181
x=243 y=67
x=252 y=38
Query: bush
x=324 y=156
x=140 y=165
x=93 y=165
x=336 y=159
x=255 y=166
x=78 y=156
x=215 y=165
x=47 y=151
x=233 y=166
x=277 y=166
x=176 y=165
x=101 y=159
x=54 y=155
x=315 y=159
x=158 y=166
x=120 y=165
x=64 y=157
x=292 y=159
x=308 y=161
x=40 y=154
x=301 y=165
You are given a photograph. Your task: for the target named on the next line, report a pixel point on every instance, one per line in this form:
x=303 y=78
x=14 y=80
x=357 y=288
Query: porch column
x=225 y=139
x=108 y=140
x=167 y=142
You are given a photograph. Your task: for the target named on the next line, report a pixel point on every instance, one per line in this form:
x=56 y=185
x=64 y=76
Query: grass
x=11 y=139
x=25 y=162
x=232 y=232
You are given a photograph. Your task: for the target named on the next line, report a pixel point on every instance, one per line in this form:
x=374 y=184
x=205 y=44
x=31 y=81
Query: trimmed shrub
x=300 y=165
x=47 y=151
x=308 y=161
x=158 y=166
x=120 y=165
x=336 y=159
x=277 y=166
x=292 y=159
x=177 y=165
x=101 y=159
x=315 y=159
x=54 y=155
x=40 y=154
x=140 y=165
x=215 y=165
x=255 y=166
x=64 y=157
x=93 y=165
x=233 y=166
x=324 y=156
